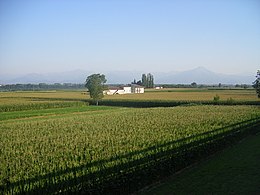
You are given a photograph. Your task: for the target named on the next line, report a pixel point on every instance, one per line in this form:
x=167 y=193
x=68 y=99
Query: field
x=54 y=142
x=165 y=94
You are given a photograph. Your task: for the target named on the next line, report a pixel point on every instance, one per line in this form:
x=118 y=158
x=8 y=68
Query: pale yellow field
x=166 y=94
x=31 y=97
x=207 y=95
x=189 y=94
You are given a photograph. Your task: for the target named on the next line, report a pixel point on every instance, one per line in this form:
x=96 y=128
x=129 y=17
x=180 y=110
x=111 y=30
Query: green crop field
x=58 y=144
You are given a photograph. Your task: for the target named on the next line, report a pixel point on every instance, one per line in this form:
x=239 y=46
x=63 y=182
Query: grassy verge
x=235 y=170
x=50 y=112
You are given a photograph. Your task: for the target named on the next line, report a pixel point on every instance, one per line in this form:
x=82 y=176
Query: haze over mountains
x=199 y=75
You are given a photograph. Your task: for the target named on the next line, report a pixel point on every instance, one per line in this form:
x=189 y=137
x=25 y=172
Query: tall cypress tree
x=148 y=80
x=256 y=83
x=144 y=80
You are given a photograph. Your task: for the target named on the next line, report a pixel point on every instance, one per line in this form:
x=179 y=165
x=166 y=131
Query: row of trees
x=146 y=81
x=40 y=86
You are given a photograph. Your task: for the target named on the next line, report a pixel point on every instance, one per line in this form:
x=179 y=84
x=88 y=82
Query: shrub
x=216 y=98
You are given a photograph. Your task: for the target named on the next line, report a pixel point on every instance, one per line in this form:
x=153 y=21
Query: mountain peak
x=201 y=69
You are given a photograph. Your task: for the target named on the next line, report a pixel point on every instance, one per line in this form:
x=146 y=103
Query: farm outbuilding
x=137 y=88
x=128 y=89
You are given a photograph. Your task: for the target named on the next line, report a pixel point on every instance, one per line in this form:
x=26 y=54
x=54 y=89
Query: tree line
x=146 y=81
x=40 y=86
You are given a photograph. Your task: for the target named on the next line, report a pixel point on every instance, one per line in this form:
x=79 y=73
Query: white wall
x=139 y=90
x=127 y=89
x=120 y=91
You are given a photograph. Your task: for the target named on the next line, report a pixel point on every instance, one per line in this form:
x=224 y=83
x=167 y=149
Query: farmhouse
x=137 y=88
x=128 y=89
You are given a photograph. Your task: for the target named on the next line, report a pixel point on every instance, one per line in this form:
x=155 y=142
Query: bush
x=216 y=98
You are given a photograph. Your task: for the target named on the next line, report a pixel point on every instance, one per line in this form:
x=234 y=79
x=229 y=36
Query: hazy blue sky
x=153 y=35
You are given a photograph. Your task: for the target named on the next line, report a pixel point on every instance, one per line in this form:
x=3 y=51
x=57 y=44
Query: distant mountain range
x=199 y=75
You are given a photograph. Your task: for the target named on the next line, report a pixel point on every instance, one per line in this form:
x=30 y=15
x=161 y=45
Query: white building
x=158 y=87
x=137 y=88
x=124 y=90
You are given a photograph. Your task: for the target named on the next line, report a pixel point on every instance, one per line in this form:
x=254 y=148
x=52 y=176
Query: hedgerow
x=168 y=103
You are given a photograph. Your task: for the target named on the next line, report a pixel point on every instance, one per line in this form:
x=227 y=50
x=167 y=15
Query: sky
x=42 y=36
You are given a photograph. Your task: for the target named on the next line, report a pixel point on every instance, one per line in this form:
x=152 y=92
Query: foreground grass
x=235 y=170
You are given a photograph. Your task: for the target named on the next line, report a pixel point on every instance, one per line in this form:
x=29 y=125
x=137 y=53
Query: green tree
x=193 y=84
x=150 y=81
x=95 y=85
x=256 y=83
x=144 y=80
x=139 y=82
x=147 y=80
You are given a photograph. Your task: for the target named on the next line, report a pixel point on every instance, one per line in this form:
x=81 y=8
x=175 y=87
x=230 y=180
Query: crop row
x=92 y=150
x=39 y=106
x=169 y=103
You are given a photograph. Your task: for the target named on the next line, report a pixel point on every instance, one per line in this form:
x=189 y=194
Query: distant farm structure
x=128 y=89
